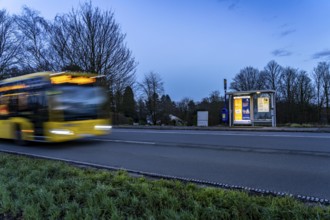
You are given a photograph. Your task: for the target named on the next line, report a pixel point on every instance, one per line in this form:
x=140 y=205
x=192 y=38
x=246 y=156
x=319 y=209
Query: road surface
x=291 y=162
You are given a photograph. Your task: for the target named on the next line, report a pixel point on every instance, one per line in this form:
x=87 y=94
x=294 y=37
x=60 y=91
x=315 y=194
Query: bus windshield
x=78 y=102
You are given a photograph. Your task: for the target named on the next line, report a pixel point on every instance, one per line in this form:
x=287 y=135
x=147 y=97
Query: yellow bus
x=52 y=107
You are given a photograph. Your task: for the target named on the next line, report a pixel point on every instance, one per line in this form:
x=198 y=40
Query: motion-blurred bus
x=52 y=107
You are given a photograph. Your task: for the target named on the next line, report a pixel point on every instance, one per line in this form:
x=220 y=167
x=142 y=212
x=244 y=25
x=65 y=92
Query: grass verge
x=42 y=189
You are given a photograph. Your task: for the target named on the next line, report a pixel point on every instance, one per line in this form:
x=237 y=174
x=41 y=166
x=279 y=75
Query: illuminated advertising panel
x=263 y=104
x=246 y=108
x=242 y=110
x=238 y=109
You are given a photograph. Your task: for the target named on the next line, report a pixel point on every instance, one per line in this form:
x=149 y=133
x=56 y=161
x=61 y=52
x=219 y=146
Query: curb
x=255 y=191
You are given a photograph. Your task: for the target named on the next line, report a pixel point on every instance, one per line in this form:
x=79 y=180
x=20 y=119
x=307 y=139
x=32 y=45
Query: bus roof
x=45 y=74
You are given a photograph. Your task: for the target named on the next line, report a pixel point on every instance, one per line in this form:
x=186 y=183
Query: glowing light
x=103 y=127
x=28 y=131
x=13 y=87
x=69 y=79
x=61 y=132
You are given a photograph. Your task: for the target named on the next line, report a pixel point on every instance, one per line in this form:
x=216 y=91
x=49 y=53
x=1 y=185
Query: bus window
x=12 y=105
x=4 y=111
x=22 y=101
x=78 y=103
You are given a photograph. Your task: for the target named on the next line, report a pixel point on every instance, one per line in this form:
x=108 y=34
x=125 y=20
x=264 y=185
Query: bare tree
x=319 y=74
x=288 y=84
x=287 y=108
x=305 y=91
x=10 y=45
x=248 y=78
x=92 y=40
x=152 y=88
x=325 y=73
x=272 y=73
x=34 y=33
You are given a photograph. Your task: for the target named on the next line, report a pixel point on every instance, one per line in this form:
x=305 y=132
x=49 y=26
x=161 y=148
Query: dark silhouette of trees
x=288 y=85
x=321 y=77
x=216 y=103
x=213 y=104
x=186 y=110
x=167 y=107
x=325 y=82
x=128 y=105
x=91 y=39
x=152 y=88
x=272 y=73
x=142 y=111
x=248 y=78
x=10 y=44
x=296 y=95
x=33 y=32
x=304 y=96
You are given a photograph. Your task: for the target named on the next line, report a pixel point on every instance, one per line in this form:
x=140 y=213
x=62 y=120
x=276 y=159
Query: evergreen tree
x=167 y=107
x=128 y=105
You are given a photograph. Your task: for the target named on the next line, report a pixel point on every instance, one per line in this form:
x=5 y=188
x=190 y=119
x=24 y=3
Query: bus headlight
x=61 y=132
x=103 y=127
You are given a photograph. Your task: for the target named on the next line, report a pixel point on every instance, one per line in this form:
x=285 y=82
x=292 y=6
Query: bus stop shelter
x=255 y=108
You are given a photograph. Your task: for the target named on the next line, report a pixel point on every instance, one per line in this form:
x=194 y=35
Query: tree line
x=85 y=39
x=154 y=107
x=300 y=97
x=90 y=40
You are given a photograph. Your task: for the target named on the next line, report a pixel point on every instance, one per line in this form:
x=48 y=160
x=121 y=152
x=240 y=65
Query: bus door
x=38 y=104
x=4 y=113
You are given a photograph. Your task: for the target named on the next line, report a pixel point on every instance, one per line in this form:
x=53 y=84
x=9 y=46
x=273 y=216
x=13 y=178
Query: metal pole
x=229 y=111
x=274 y=108
x=225 y=88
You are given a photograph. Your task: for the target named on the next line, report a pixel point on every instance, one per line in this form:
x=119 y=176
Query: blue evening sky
x=195 y=44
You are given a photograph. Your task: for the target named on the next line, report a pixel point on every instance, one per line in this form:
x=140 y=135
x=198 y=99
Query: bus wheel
x=18 y=136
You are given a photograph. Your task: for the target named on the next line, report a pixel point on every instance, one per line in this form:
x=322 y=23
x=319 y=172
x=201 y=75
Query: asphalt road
x=291 y=162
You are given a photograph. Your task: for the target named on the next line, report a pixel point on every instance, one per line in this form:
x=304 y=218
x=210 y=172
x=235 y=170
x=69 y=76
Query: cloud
x=233 y=4
x=287 y=32
x=322 y=54
x=281 y=53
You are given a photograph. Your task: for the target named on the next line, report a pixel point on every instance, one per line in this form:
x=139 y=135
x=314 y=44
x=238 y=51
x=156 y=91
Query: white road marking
x=122 y=141
x=224 y=133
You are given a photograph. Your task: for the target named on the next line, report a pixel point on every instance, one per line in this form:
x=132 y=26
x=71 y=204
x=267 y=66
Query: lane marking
x=224 y=134
x=122 y=141
x=227 y=148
